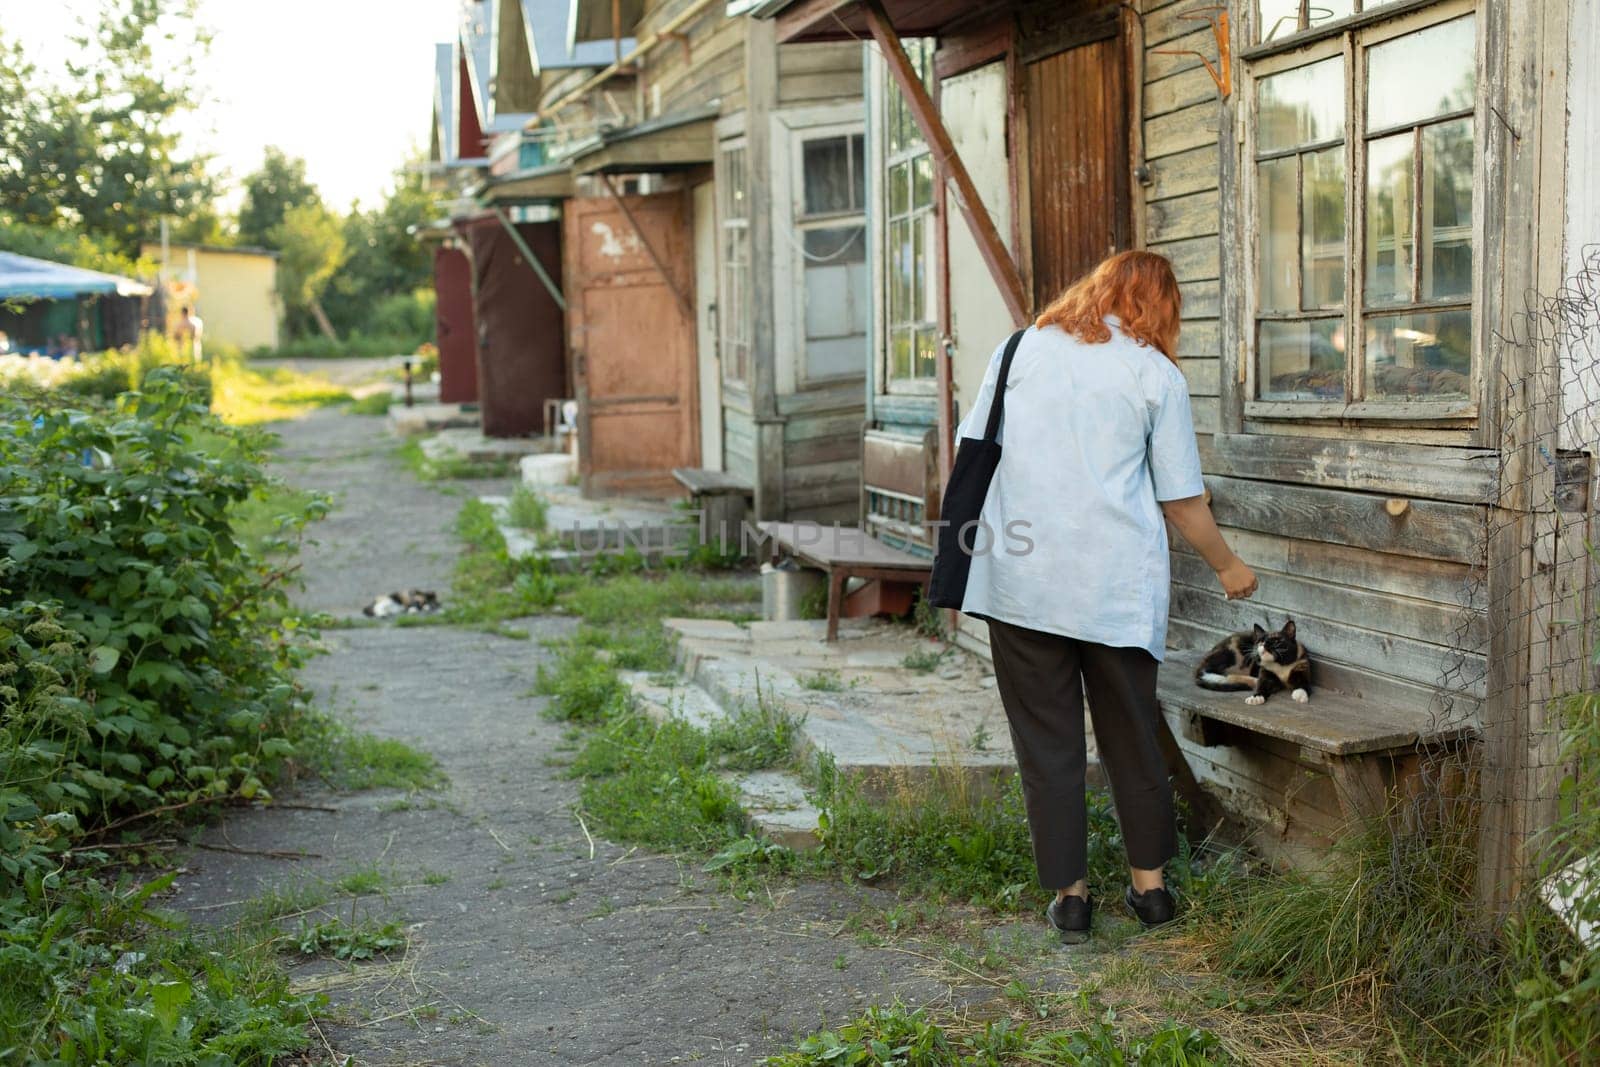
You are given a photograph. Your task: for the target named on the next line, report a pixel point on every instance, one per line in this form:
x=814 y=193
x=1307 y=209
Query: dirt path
x=530 y=943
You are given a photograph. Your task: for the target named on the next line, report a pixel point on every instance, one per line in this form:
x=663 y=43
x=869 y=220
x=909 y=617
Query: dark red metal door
x=522 y=351
x=453 y=326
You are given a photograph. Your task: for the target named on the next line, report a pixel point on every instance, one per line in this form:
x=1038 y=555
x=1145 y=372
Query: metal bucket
x=785 y=587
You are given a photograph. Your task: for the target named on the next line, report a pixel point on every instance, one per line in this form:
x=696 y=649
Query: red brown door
x=1081 y=208
x=453 y=326
x=632 y=342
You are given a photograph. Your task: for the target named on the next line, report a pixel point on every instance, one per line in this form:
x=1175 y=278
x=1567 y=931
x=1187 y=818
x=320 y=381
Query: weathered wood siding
x=709 y=65
x=822 y=453
x=819 y=73
x=738 y=435
x=1386 y=603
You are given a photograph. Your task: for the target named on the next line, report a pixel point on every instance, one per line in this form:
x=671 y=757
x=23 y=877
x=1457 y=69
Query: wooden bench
x=723 y=500
x=845 y=552
x=1369 y=749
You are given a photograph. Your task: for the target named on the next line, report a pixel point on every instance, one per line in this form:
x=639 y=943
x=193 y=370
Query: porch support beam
x=1001 y=266
x=649 y=249
x=533 y=260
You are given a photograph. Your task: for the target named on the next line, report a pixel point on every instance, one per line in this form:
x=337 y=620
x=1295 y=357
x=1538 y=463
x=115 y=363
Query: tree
x=270 y=192
x=99 y=151
x=311 y=249
x=385 y=258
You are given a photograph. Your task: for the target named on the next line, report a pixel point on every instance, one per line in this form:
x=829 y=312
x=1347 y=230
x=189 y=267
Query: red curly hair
x=1137 y=287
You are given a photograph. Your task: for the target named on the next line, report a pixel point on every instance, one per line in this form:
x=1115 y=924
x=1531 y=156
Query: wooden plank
x=1182 y=90
x=1448 y=584
x=1280 y=595
x=1469 y=476
x=760 y=77
x=1431 y=529
x=1333 y=723
x=825 y=425
x=1201 y=374
x=1181 y=131
x=1371 y=651
x=1283 y=798
x=823 y=475
x=1201 y=300
x=1168 y=22
x=1195 y=215
x=1200 y=337
x=1188 y=172
x=915 y=93
x=1160 y=63
x=1193 y=260
x=698 y=481
x=810 y=451
x=849 y=545
x=1204 y=410
x=1448 y=708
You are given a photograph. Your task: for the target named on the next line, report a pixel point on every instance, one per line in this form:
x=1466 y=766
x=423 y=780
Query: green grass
x=376 y=403
x=341 y=939
x=448 y=468
x=247 y=396
x=527 y=510
x=353 y=760
x=923 y=660
x=361 y=883
x=897 y=1036
x=822 y=682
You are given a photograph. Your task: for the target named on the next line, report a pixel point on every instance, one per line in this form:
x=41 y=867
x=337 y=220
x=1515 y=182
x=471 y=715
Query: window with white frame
x=733 y=296
x=830 y=237
x=1281 y=18
x=1362 y=156
x=909 y=256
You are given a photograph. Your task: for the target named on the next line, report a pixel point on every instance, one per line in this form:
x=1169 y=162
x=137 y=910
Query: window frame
x=1351 y=38
x=734 y=353
x=881 y=162
x=799 y=222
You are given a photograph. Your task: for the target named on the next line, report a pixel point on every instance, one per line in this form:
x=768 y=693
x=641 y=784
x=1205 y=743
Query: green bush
x=145 y=666
x=403 y=315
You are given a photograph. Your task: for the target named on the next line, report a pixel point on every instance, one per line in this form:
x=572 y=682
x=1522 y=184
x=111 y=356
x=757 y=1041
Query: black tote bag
x=964 y=495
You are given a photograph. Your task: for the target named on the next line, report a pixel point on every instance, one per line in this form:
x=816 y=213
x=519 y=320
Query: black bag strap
x=997 y=406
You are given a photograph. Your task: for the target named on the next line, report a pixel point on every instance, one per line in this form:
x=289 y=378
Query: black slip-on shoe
x=1153 y=907
x=1071 y=916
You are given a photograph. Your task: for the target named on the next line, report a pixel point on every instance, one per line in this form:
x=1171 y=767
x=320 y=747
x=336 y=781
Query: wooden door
x=632 y=337
x=1081 y=208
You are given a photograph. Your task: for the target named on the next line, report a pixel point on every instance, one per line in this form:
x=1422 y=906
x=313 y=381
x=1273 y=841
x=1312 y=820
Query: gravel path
x=530 y=943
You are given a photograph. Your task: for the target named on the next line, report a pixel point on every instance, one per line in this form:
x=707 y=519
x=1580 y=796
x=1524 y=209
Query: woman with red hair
x=1099 y=454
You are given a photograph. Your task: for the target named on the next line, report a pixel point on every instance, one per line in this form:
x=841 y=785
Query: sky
x=345 y=84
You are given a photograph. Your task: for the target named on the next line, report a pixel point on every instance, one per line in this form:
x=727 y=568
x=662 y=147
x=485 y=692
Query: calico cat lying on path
x=1261 y=662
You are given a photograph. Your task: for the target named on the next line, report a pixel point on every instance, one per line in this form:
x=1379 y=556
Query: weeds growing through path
x=527 y=510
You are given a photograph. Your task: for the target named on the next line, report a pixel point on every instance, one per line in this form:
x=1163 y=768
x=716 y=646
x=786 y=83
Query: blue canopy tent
x=96 y=309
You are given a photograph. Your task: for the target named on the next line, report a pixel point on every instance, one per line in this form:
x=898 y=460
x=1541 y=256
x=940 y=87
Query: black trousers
x=1042 y=679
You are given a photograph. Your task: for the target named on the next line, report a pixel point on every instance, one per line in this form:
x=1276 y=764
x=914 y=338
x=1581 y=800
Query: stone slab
x=551 y=468
x=430 y=418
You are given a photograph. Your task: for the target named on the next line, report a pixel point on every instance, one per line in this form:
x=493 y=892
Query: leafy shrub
x=143 y=661
x=403 y=315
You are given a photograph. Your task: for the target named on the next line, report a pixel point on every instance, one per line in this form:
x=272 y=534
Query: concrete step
x=429 y=418
x=775 y=800
x=573 y=538
x=550 y=468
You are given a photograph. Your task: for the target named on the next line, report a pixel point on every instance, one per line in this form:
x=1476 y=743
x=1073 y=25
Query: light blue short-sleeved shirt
x=1094 y=437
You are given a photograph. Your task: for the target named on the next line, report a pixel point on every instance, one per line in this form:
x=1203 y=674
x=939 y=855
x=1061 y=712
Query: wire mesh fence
x=1520 y=674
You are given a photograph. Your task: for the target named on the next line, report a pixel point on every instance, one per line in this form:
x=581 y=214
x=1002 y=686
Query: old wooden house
x=712 y=196
x=1361 y=199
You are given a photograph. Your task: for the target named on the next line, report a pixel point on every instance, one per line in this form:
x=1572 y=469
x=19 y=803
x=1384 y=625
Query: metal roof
x=477 y=46
x=547 y=22
x=26 y=278
x=444 y=100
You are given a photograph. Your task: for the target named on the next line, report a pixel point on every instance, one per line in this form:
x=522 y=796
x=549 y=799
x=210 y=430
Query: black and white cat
x=409 y=602
x=1261 y=662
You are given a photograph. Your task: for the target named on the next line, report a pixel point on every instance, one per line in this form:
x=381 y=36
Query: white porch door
x=705 y=288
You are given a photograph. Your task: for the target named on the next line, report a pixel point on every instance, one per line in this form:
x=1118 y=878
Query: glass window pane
x=900 y=189
x=1390 y=247
x=1447 y=210
x=1423 y=74
x=836 y=304
x=1278 y=18
x=825 y=164
x=1301 y=106
x=1322 y=245
x=1325 y=11
x=922 y=182
x=927 y=347
x=1279 y=239
x=900 y=353
x=858 y=171
x=900 y=271
x=1301 y=360
x=920 y=254
x=1419 y=356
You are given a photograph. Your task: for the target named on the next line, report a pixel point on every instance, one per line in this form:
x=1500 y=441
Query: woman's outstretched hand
x=1238 y=580
x=1192 y=517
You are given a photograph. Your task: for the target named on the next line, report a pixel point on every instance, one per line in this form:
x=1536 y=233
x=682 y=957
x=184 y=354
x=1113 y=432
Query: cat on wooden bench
x=1261 y=662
